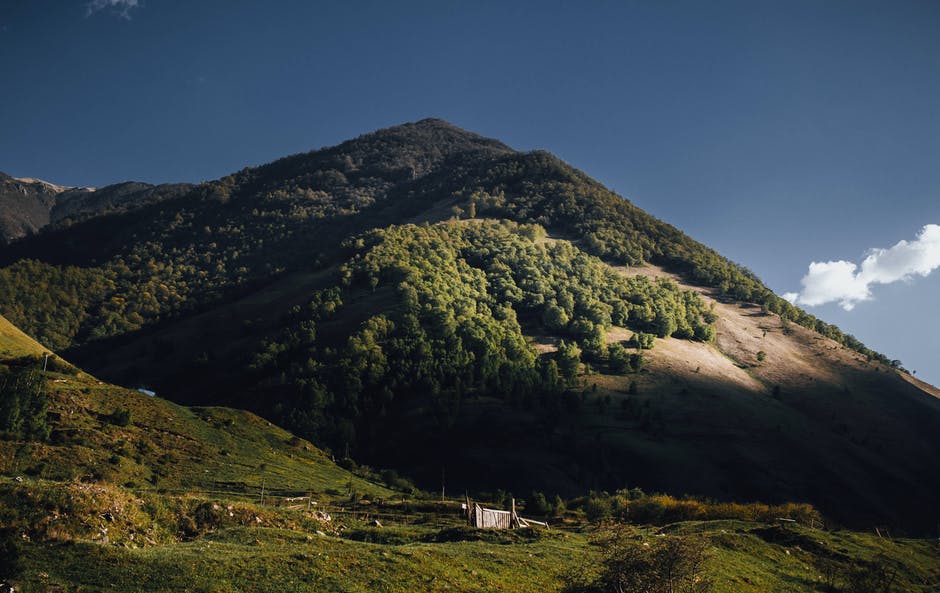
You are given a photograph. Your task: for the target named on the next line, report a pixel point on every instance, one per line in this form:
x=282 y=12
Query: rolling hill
x=428 y=299
x=98 y=432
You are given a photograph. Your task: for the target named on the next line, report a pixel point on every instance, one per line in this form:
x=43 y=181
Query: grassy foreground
x=218 y=545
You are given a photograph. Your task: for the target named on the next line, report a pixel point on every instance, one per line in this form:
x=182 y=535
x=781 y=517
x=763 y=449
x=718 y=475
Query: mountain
x=427 y=299
x=29 y=205
x=77 y=204
x=24 y=206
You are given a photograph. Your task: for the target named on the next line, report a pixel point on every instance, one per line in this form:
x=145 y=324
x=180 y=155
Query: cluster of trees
x=539 y=188
x=446 y=308
x=116 y=274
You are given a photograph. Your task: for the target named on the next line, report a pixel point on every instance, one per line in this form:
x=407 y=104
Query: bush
x=644 y=341
x=663 y=565
x=618 y=359
x=119 y=417
x=660 y=509
x=23 y=404
x=597 y=508
x=537 y=504
x=876 y=576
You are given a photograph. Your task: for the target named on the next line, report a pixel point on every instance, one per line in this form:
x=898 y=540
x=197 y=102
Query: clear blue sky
x=777 y=132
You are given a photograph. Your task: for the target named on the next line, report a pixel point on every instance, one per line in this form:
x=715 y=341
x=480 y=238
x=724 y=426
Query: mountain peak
x=433 y=134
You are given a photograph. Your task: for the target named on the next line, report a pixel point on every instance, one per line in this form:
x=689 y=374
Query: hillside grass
x=102 y=433
x=168 y=446
x=434 y=553
x=16 y=344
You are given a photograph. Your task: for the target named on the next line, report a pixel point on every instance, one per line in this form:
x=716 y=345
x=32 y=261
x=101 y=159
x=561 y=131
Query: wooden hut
x=484 y=518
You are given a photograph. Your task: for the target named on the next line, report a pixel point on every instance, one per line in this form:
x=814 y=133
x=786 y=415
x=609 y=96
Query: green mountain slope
x=129 y=492
x=499 y=342
x=15 y=344
x=96 y=432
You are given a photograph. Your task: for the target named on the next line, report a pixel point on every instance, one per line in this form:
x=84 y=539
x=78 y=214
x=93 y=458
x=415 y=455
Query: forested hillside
x=423 y=297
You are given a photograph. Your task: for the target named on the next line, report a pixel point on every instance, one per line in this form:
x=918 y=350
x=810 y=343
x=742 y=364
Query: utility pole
x=45 y=362
x=262 y=490
x=442 y=483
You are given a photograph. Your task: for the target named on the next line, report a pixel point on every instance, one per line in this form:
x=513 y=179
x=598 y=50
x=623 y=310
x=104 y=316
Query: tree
x=23 y=404
x=554 y=317
x=537 y=504
x=558 y=506
x=761 y=356
x=569 y=360
x=644 y=341
x=618 y=358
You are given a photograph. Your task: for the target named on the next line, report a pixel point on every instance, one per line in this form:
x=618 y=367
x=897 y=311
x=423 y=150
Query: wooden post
x=513 y=519
x=262 y=491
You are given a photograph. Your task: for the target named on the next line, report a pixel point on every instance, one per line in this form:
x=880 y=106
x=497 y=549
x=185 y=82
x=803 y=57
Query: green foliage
x=558 y=506
x=661 y=565
x=637 y=507
x=445 y=326
x=537 y=504
x=761 y=356
x=644 y=341
x=119 y=417
x=538 y=187
x=875 y=576
x=568 y=359
x=620 y=360
x=107 y=277
x=23 y=403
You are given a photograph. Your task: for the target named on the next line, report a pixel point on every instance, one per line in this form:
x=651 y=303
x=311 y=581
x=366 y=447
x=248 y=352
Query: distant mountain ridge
x=29 y=205
x=424 y=296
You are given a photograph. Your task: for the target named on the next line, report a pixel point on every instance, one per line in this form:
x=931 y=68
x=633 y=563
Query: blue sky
x=779 y=133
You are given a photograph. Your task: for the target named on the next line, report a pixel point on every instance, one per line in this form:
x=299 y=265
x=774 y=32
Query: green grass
x=437 y=556
x=15 y=344
x=170 y=447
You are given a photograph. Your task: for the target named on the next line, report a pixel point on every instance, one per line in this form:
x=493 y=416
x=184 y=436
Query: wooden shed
x=484 y=518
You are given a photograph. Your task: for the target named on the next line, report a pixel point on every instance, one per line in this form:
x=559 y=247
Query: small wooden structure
x=484 y=518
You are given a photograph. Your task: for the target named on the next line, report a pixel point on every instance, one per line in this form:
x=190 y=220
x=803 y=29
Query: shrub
x=119 y=417
x=537 y=504
x=663 y=565
x=597 y=507
x=644 y=341
x=23 y=404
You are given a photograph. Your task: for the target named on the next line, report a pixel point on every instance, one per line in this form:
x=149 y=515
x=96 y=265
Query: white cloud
x=849 y=284
x=120 y=7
